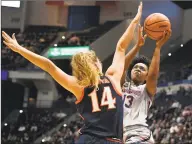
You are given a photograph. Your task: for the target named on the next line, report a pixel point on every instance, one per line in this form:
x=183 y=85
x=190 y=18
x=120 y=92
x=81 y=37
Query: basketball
x=155 y=24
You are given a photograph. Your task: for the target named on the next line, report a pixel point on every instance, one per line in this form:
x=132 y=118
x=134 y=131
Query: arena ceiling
x=184 y=4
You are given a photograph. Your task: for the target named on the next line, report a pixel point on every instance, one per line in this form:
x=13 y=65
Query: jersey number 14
x=106 y=100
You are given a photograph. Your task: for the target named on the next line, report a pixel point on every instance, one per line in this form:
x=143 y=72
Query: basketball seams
x=148 y=18
x=153 y=30
x=157 y=22
x=151 y=36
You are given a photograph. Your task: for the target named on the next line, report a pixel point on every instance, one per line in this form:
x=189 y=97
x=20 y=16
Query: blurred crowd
x=170 y=118
x=73 y=40
x=38 y=38
x=29 y=126
x=38 y=41
x=85 y=38
x=181 y=73
x=173 y=126
x=67 y=134
x=35 y=41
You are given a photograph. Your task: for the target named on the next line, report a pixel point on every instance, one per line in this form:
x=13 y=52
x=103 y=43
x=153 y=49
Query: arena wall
x=187 y=23
x=11 y=17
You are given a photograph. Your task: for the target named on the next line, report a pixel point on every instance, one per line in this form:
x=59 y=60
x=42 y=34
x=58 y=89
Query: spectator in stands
x=27 y=130
x=74 y=41
x=34 y=128
x=179 y=74
x=34 y=41
x=172 y=126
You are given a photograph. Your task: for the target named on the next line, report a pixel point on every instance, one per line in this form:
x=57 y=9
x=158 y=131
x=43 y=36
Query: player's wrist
x=158 y=47
x=19 y=49
x=135 y=21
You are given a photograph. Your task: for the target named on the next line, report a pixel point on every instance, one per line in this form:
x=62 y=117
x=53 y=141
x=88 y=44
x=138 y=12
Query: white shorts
x=137 y=134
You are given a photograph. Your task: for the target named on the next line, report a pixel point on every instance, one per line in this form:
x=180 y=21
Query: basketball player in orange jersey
x=139 y=90
x=98 y=96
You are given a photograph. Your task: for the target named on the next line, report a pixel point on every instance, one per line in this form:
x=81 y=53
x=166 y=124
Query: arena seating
x=99 y=31
x=35 y=38
x=30 y=125
x=86 y=38
x=171 y=117
x=67 y=133
x=180 y=73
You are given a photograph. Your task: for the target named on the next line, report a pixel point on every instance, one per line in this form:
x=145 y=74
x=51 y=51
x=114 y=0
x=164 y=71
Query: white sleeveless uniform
x=136 y=105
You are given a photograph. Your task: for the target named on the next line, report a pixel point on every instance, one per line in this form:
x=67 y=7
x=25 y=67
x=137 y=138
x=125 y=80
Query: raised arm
x=132 y=53
x=153 y=73
x=65 y=80
x=117 y=67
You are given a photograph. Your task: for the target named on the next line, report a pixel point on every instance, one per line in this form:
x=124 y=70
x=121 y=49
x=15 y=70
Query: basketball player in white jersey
x=139 y=90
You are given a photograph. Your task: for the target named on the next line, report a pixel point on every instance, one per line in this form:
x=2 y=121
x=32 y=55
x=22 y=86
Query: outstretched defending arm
x=153 y=74
x=131 y=54
x=117 y=67
x=65 y=80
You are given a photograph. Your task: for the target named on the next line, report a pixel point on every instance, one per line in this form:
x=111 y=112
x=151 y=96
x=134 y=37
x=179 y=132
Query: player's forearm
x=127 y=37
x=154 y=67
x=151 y=84
x=128 y=58
x=36 y=59
x=130 y=55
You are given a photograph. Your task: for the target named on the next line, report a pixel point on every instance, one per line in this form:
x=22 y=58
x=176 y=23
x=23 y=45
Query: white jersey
x=136 y=104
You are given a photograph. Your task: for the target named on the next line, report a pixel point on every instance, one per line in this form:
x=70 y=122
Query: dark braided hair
x=139 y=59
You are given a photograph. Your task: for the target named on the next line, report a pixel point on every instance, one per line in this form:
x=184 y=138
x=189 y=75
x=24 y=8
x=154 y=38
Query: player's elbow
x=49 y=66
x=121 y=47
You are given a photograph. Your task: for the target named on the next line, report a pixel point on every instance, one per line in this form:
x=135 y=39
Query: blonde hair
x=84 y=68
